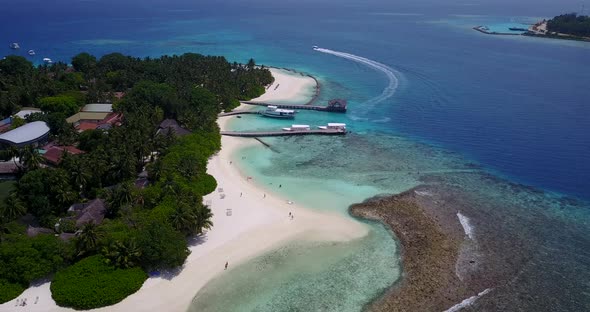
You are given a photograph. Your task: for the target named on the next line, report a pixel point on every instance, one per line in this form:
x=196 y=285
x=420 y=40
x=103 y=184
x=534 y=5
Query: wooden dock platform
x=334 y=106
x=237 y=112
x=254 y=134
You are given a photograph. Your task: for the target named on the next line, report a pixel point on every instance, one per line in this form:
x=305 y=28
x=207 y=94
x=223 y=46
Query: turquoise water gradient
x=504 y=118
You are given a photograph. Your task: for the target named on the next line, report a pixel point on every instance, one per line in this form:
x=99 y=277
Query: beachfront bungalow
x=34 y=133
x=171 y=125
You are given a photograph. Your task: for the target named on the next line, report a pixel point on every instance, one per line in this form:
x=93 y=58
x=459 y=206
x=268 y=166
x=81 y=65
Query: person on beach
x=226 y=264
x=264 y=196
x=240 y=194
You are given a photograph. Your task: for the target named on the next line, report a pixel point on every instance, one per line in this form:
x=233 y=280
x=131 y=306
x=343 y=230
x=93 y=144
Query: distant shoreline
x=538 y=30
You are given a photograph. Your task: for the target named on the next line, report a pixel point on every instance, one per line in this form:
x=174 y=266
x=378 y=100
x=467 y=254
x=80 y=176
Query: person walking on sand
x=264 y=196
x=226 y=264
x=240 y=194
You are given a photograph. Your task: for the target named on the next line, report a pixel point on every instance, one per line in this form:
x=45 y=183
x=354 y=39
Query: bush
x=9 y=291
x=91 y=283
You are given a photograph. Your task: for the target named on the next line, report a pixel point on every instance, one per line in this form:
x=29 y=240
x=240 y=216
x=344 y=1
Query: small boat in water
x=315 y=47
x=275 y=112
x=14 y=46
x=334 y=126
x=47 y=60
x=31 y=52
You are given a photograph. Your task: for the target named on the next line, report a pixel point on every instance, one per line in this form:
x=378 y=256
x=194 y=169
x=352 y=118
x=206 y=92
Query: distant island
x=569 y=26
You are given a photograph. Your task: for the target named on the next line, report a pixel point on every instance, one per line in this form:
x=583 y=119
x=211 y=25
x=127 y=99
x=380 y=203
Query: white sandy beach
x=259 y=222
x=288 y=87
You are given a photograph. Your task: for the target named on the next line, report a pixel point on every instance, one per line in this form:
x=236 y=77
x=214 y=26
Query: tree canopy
x=144 y=228
x=571 y=24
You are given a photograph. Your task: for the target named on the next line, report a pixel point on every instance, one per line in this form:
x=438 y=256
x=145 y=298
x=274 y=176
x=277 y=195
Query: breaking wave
x=467 y=302
x=466 y=223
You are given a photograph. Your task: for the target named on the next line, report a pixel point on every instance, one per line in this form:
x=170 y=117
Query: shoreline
x=258 y=223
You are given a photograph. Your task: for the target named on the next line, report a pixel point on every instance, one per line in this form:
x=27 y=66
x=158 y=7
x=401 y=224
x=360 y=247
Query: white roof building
x=97 y=108
x=27 y=134
x=26 y=111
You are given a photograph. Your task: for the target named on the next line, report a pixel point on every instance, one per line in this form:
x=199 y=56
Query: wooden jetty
x=237 y=112
x=334 y=106
x=254 y=134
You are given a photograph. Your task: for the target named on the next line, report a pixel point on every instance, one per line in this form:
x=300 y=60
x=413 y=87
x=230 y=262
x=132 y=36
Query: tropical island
x=566 y=26
x=109 y=162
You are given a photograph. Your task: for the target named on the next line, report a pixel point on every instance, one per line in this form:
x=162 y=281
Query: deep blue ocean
x=517 y=107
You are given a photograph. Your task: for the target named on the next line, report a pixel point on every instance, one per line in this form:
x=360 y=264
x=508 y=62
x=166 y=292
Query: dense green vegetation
x=92 y=283
x=571 y=24
x=9 y=291
x=145 y=228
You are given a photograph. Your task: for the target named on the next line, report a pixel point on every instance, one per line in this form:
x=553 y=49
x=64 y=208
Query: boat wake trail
x=389 y=90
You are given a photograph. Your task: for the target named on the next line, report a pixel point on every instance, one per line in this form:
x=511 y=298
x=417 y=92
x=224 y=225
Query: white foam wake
x=388 y=71
x=467 y=302
x=466 y=223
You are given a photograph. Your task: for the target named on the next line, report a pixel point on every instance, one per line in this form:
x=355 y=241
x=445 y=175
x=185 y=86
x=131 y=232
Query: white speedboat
x=14 y=46
x=315 y=47
x=47 y=60
x=275 y=112
x=31 y=52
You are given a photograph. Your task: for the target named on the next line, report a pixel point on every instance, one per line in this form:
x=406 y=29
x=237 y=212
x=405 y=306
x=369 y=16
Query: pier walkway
x=336 y=106
x=237 y=112
x=253 y=134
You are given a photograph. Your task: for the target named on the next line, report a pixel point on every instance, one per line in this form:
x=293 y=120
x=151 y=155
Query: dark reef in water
x=528 y=253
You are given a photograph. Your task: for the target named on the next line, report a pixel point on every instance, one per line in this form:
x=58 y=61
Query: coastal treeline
x=146 y=228
x=570 y=24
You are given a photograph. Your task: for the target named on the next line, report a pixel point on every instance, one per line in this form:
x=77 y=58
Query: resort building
x=34 y=133
x=92 y=116
x=336 y=105
x=26 y=111
x=92 y=211
x=54 y=154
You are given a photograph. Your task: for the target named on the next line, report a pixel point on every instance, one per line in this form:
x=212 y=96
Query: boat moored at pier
x=275 y=112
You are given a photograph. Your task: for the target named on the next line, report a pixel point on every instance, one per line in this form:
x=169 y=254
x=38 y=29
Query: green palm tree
x=88 y=238
x=12 y=208
x=184 y=219
x=31 y=158
x=122 y=255
x=204 y=219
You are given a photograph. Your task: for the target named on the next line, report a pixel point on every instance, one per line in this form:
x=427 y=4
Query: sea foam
x=389 y=90
x=466 y=223
x=467 y=302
